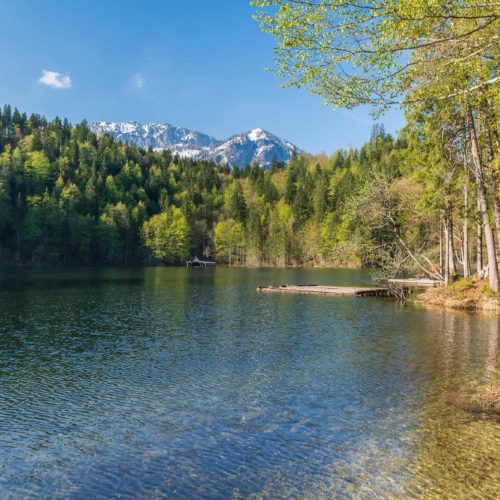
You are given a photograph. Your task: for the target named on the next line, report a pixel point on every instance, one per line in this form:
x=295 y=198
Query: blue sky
x=193 y=63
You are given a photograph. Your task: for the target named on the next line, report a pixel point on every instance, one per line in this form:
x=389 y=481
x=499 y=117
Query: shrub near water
x=459 y=288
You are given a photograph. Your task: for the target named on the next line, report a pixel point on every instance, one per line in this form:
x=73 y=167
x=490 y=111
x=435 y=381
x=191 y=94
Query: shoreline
x=467 y=295
x=129 y=266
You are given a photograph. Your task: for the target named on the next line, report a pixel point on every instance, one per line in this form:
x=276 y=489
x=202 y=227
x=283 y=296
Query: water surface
x=166 y=382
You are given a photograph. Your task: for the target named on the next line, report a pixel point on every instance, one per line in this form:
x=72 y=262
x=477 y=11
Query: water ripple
x=187 y=383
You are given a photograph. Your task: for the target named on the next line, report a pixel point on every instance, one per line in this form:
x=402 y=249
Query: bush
x=458 y=288
x=486 y=290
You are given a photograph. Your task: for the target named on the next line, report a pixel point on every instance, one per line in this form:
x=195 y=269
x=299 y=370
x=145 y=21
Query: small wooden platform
x=328 y=290
x=416 y=282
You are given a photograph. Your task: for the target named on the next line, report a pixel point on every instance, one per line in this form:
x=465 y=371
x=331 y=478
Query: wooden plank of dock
x=416 y=282
x=328 y=290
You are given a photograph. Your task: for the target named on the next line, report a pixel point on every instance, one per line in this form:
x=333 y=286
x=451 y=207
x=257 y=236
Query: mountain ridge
x=254 y=146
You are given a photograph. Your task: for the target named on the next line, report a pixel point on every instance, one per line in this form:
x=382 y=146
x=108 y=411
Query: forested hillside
x=70 y=197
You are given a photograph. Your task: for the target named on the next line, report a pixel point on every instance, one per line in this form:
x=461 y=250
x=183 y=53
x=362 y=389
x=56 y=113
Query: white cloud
x=138 y=81
x=55 y=79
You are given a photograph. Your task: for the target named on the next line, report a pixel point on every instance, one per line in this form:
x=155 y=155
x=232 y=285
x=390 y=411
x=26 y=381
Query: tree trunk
x=479 y=246
x=447 y=246
x=451 y=251
x=450 y=267
x=494 y=190
x=483 y=207
x=441 y=247
x=465 y=258
x=496 y=214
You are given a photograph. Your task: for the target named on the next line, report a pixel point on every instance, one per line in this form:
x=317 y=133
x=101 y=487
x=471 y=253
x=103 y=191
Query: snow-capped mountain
x=181 y=141
x=256 y=146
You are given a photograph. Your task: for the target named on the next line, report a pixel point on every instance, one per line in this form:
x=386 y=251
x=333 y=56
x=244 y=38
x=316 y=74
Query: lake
x=174 y=382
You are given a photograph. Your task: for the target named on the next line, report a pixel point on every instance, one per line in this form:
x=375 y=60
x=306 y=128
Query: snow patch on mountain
x=256 y=134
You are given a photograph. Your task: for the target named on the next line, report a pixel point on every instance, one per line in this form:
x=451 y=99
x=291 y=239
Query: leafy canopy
x=380 y=52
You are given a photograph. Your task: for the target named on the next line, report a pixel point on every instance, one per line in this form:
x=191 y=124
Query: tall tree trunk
x=483 y=207
x=447 y=246
x=493 y=192
x=479 y=246
x=466 y=230
x=450 y=249
x=441 y=247
x=496 y=214
x=451 y=252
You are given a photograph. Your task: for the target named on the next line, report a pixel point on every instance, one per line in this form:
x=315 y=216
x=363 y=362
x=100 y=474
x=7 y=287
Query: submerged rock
x=487 y=396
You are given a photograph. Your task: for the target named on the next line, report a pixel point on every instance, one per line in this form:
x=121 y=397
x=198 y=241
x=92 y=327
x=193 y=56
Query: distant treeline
x=70 y=197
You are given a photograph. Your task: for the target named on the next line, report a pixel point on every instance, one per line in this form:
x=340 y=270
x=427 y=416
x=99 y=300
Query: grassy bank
x=466 y=294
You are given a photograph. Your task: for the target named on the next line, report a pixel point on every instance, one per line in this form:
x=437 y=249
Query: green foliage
x=38 y=169
x=461 y=286
x=234 y=202
x=229 y=242
x=488 y=292
x=168 y=236
x=378 y=53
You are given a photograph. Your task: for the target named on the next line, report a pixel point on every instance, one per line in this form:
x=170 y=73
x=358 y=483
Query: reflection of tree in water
x=459 y=451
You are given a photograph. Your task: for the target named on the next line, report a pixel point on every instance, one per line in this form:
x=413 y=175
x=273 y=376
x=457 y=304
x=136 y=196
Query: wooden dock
x=415 y=282
x=328 y=290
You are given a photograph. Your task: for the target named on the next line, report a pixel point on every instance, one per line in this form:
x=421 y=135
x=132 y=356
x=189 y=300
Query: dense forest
x=70 y=197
